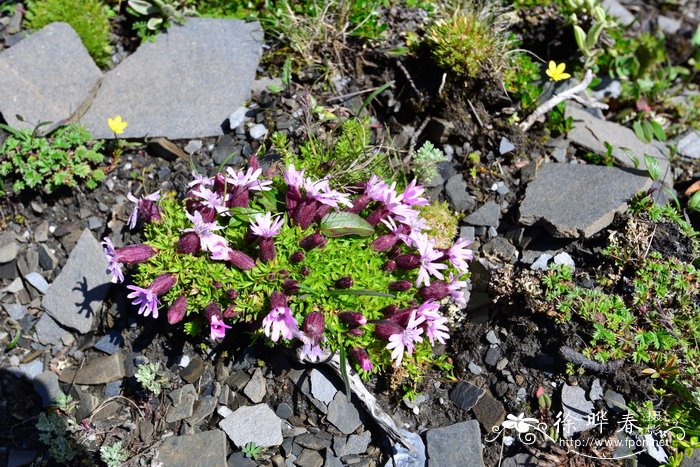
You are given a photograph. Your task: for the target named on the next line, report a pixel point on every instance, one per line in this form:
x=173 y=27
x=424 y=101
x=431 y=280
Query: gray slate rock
x=454 y=444
x=32 y=369
x=309 y=458
x=355 y=444
x=8 y=245
x=284 y=411
x=15 y=310
x=321 y=388
x=489 y=411
x=256 y=388
x=576 y=409
x=587 y=198
x=37 y=281
x=48 y=331
x=76 y=295
x=46 y=386
x=111 y=342
x=203 y=408
x=542 y=262
x=99 y=370
x=688 y=145
x=343 y=414
x=182 y=85
x=183 y=403
x=46 y=77
x=466 y=395
x=488 y=215
x=591 y=133
x=596 y=391
x=506 y=146
x=206 y=449
x=253 y=424
x=615 y=8
x=456 y=191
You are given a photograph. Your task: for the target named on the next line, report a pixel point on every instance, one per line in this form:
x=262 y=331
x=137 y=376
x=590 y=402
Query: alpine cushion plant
x=302 y=263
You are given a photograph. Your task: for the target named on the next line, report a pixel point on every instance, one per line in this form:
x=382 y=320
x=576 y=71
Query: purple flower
x=320 y=190
x=217 y=328
x=405 y=341
x=280 y=320
x=352 y=318
x=248 y=180
x=459 y=254
x=200 y=180
x=400 y=286
x=209 y=241
x=434 y=324
x=145 y=299
x=210 y=199
x=361 y=356
x=344 y=282
x=265 y=226
x=411 y=195
x=296 y=257
x=177 y=310
x=132 y=254
x=315 y=240
x=163 y=283
x=456 y=290
x=428 y=256
x=237 y=258
x=146 y=208
x=294 y=180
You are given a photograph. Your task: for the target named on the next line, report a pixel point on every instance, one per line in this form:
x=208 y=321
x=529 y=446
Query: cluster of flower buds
x=417 y=267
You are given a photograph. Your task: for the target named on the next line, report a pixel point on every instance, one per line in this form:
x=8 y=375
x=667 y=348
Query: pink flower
x=200 y=180
x=320 y=190
x=456 y=288
x=209 y=241
x=145 y=299
x=217 y=328
x=146 y=208
x=405 y=341
x=265 y=226
x=459 y=254
x=434 y=324
x=375 y=188
x=248 y=180
x=293 y=177
x=411 y=195
x=428 y=256
x=132 y=254
x=210 y=199
x=280 y=321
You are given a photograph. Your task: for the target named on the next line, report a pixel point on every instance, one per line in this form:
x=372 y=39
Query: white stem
x=559 y=98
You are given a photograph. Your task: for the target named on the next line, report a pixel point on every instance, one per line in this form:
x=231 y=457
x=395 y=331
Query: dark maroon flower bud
x=385 y=242
x=321 y=212
x=359 y=203
x=277 y=299
x=357 y=332
x=315 y=240
x=305 y=271
x=217 y=284
x=283 y=273
x=232 y=294
x=305 y=213
x=400 y=286
x=240 y=260
x=389 y=266
x=250 y=237
x=189 y=244
x=213 y=309
x=208 y=214
x=292 y=199
x=163 y=283
x=390 y=310
x=149 y=211
x=437 y=290
x=385 y=329
x=290 y=286
x=344 y=282
x=239 y=198
x=296 y=257
x=352 y=318
x=408 y=261
x=314 y=325
x=377 y=215
x=220 y=185
x=267 y=249
x=230 y=312
x=134 y=254
x=177 y=310
x=401 y=317
x=394 y=252
x=361 y=356
x=254 y=163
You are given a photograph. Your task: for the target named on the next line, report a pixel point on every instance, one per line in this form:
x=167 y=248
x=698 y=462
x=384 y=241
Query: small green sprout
x=147 y=375
x=252 y=450
x=114 y=455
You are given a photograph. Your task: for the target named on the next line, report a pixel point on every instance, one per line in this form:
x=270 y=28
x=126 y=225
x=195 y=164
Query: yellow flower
x=117 y=125
x=556 y=72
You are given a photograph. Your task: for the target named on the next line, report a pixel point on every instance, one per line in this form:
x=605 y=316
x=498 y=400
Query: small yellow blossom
x=556 y=72
x=117 y=125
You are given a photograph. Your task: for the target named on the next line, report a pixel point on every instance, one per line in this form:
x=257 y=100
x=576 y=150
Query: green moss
x=442 y=223
x=89 y=19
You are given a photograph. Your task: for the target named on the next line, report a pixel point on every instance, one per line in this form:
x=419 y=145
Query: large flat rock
x=76 y=295
x=458 y=444
x=45 y=77
x=185 y=84
x=206 y=449
x=253 y=424
x=573 y=200
x=592 y=133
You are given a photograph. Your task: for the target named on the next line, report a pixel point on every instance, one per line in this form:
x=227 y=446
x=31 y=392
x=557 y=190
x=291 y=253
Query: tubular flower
x=315 y=240
x=146 y=209
x=217 y=328
x=352 y=318
x=411 y=195
x=361 y=356
x=177 y=310
x=294 y=180
x=189 y=244
x=459 y=254
x=163 y=283
x=200 y=180
x=237 y=258
x=242 y=182
x=344 y=282
x=400 y=286
x=428 y=256
x=280 y=321
x=145 y=299
x=405 y=341
x=210 y=199
x=435 y=324
x=209 y=241
x=132 y=254
x=265 y=226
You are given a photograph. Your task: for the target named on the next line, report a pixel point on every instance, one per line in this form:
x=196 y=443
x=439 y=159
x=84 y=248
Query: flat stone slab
x=253 y=424
x=99 y=370
x=458 y=444
x=46 y=77
x=185 y=84
x=572 y=200
x=592 y=133
x=77 y=293
x=206 y=449
x=343 y=414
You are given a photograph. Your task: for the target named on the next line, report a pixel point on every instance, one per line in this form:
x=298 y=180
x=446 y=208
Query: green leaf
x=593 y=35
x=580 y=36
x=658 y=130
x=340 y=224
x=367 y=292
x=653 y=167
x=694 y=201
